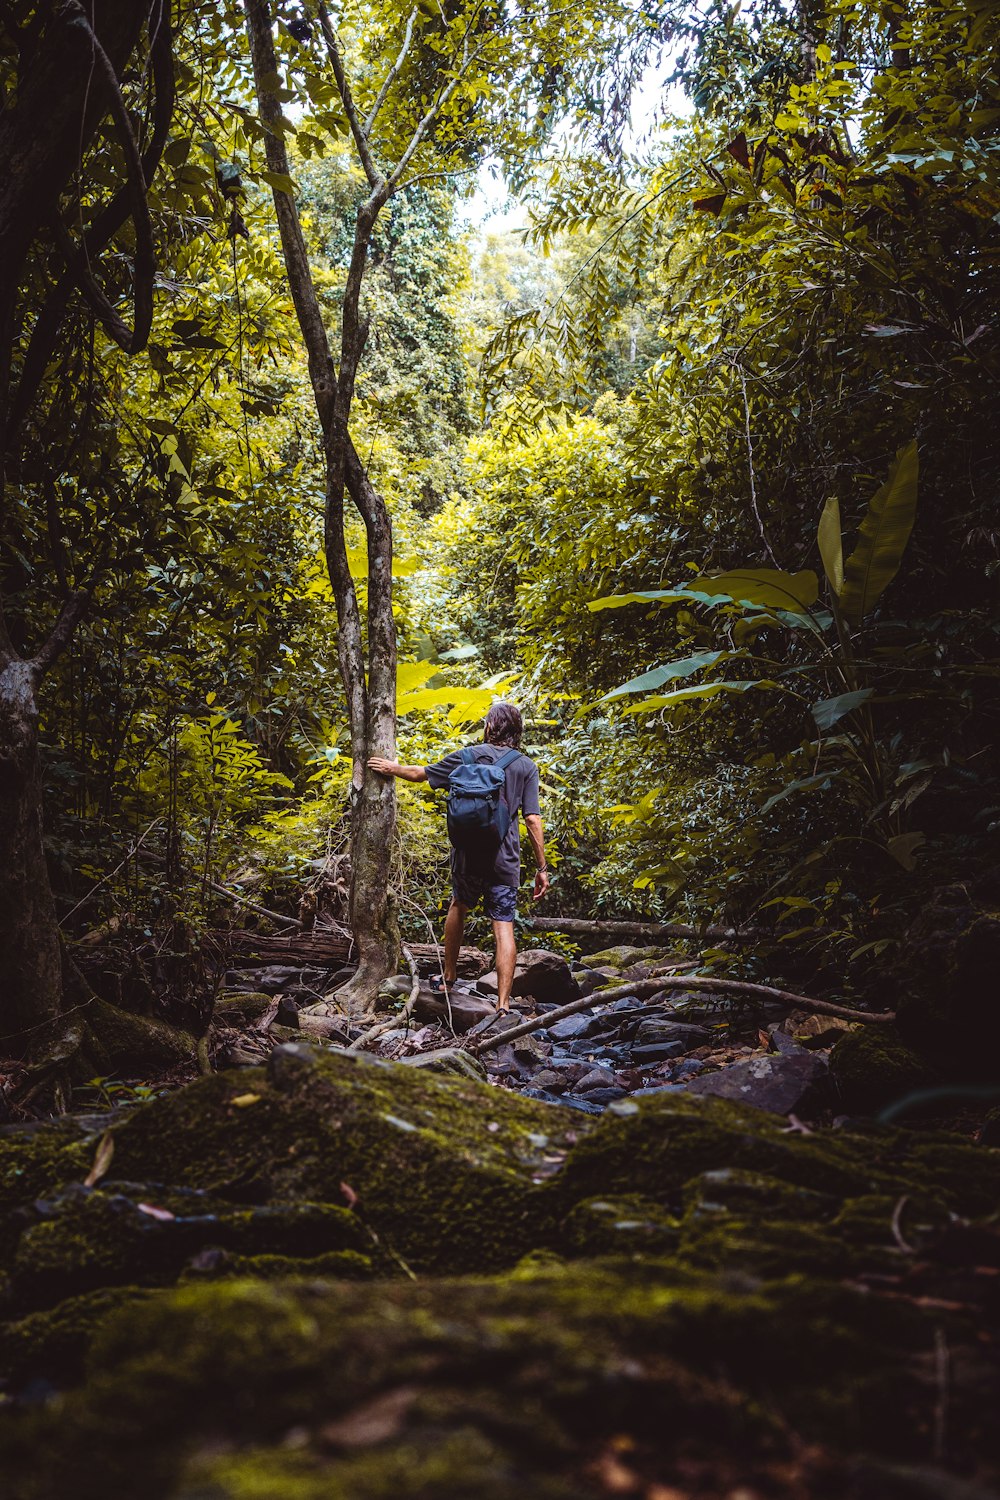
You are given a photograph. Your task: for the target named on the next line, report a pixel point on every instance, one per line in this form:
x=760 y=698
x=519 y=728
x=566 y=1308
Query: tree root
x=381 y=1027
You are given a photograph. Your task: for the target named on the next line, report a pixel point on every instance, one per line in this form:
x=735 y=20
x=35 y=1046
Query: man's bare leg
x=454 y=927
x=503 y=933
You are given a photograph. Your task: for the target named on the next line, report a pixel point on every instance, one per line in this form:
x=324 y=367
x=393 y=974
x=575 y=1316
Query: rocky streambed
x=336 y=1275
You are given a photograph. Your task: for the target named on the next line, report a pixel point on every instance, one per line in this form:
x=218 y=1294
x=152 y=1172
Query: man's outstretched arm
x=533 y=824
x=393 y=768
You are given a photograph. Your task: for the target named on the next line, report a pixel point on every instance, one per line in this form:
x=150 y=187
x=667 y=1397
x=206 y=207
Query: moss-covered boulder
x=873 y=1067
x=338 y=1277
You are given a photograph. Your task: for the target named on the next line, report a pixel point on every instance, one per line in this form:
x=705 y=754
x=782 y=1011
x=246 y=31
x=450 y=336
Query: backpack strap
x=468 y=755
x=508 y=759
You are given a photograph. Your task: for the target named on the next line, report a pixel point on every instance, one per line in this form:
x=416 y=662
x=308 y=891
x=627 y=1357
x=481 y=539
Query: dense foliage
x=695 y=357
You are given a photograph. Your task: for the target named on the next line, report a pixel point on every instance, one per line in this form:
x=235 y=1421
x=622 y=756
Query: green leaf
x=279 y=181
x=769 y=587
x=683 y=695
x=831 y=546
x=659 y=675
x=807 y=784
x=885 y=532
x=832 y=710
x=903 y=848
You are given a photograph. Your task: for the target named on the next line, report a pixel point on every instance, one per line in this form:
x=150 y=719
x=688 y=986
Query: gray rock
x=656 y=1029
x=585 y=1106
x=288 y=1012
x=276 y=977
x=466 y=1009
x=690 y=1067
x=327 y=1027
x=571 y=1028
x=607 y=1095
x=289 y=1062
x=451 y=1060
x=549 y=1078
x=782 y=1083
x=658 y=1052
x=545 y=976
x=597 y=1078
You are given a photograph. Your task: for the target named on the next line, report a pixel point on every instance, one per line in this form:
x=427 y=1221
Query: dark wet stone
x=570 y=1028
x=606 y=1095
x=658 y=1051
x=288 y=1012
x=780 y=1083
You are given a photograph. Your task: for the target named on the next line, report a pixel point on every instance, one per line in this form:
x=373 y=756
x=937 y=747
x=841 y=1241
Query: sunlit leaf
x=884 y=534
x=673 y=670
x=831 y=547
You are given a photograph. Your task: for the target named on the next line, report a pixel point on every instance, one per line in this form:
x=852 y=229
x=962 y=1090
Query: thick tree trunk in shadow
x=30 y=958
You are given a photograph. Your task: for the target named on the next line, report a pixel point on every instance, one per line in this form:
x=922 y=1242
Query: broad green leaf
x=683 y=695
x=903 y=848
x=470 y=702
x=885 y=532
x=768 y=587
x=646 y=596
x=413 y=674
x=831 y=546
x=279 y=181
x=807 y=784
x=832 y=710
x=659 y=675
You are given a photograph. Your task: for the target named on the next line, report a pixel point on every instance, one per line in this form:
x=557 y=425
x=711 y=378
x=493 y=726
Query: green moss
x=86 y=1238
x=54 y=1343
x=235 y=1006
x=872 y=1067
x=625 y=1225
x=624 y=956
x=418 y=1151
x=337 y=1263
x=464 y=1465
x=233 y=1383
x=132 y=1041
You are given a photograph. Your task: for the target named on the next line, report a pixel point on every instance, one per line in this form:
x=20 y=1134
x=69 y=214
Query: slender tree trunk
x=30 y=960
x=371 y=696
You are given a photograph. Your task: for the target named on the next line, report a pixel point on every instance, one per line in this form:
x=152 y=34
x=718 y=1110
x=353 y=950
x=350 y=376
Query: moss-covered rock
x=873 y=1067
x=528 y=1385
x=681 y=1291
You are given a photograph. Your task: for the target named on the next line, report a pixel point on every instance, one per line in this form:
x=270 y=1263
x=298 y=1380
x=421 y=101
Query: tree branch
x=102 y=228
x=375 y=177
x=646 y=987
x=73 y=610
x=131 y=339
x=391 y=77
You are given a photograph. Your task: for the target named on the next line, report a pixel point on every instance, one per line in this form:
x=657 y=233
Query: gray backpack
x=478 y=815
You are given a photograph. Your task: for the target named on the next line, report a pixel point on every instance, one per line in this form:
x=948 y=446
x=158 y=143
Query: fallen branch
x=657 y=984
x=600 y=927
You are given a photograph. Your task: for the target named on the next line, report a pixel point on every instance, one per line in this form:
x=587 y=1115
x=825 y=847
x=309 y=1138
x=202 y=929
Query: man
x=496 y=883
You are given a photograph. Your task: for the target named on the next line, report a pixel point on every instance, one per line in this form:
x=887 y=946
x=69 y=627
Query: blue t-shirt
x=521 y=793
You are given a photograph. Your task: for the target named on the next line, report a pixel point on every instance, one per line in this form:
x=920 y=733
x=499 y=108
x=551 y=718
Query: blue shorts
x=499 y=901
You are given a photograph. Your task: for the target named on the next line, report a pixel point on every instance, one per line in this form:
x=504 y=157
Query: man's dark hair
x=503 y=726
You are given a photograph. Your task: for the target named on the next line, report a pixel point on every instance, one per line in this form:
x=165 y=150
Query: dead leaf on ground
x=350 y=1196
x=374 y=1422
x=163 y=1214
x=243 y=1101
x=102 y=1160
